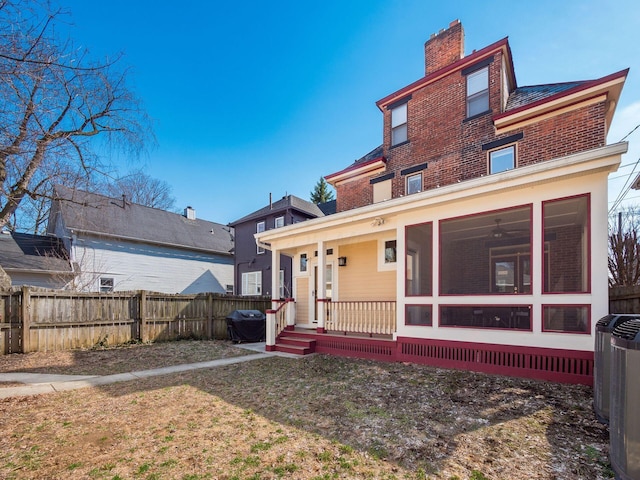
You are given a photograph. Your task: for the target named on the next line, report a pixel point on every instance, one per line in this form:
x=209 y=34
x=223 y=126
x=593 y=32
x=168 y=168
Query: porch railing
x=278 y=320
x=376 y=317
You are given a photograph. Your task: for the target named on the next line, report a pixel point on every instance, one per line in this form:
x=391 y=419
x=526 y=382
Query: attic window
x=478 y=92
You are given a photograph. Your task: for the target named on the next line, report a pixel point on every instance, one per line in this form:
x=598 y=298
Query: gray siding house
x=35 y=260
x=123 y=246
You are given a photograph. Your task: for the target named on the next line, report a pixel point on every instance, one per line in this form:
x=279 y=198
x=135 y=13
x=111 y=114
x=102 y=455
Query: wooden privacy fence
x=624 y=299
x=35 y=320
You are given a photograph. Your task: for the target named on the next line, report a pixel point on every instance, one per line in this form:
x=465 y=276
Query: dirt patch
x=319 y=417
x=120 y=359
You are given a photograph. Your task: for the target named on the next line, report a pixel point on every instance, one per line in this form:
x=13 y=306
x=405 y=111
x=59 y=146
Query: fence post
x=209 y=329
x=143 y=316
x=26 y=319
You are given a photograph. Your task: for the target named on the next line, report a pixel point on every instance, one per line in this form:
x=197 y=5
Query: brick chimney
x=444 y=48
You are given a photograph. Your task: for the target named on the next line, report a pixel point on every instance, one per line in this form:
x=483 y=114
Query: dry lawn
x=317 y=417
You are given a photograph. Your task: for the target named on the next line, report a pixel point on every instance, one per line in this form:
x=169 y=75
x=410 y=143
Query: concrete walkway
x=38 y=383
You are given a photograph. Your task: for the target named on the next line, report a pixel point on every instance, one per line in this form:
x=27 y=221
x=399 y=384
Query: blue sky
x=251 y=98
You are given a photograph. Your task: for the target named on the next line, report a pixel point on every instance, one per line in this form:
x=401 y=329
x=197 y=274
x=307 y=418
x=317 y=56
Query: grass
x=317 y=417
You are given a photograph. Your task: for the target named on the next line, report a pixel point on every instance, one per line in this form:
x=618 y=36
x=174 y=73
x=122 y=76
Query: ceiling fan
x=499 y=232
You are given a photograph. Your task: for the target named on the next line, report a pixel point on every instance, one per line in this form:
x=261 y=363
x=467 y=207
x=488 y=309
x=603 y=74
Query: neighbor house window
x=252 y=283
x=281 y=287
x=414 y=183
x=106 y=285
x=478 y=92
x=419 y=251
x=303 y=262
x=502 y=159
x=260 y=227
x=279 y=222
x=399 y=124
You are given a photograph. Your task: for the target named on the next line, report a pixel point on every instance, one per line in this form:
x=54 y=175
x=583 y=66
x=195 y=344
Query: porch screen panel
x=419 y=265
x=486 y=316
x=487 y=253
x=566 y=235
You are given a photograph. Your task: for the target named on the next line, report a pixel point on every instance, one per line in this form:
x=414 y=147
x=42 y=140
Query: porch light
x=342 y=261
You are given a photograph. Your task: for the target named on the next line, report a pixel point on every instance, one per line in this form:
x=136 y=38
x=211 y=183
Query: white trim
x=605 y=158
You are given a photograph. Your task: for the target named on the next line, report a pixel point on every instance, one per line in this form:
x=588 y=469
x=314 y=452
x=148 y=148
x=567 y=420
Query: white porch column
x=275 y=278
x=321 y=293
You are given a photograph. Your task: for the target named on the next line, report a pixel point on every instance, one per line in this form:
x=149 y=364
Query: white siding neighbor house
x=123 y=246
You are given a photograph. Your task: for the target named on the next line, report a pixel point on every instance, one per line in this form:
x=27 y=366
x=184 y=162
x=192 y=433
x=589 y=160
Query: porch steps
x=297 y=345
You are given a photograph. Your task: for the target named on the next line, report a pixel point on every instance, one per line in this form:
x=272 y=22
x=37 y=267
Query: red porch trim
x=548 y=364
x=554 y=365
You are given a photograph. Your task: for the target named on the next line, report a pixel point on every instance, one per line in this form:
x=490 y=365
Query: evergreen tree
x=322 y=192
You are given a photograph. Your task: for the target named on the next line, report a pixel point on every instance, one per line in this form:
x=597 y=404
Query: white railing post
x=291 y=313
x=271 y=331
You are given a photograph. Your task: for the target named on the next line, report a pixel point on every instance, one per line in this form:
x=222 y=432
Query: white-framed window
x=106 y=284
x=252 y=283
x=303 y=262
x=399 y=124
x=390 y=251
x=502 y=159
x=478 y=92
x=414 y=183
x=260 y=227
x=387 y=253
x=279 y=222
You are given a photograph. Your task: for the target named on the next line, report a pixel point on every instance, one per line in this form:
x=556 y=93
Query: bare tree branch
x=55 y=104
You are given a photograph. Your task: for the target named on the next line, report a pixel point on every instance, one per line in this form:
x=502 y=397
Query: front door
x=328 y=278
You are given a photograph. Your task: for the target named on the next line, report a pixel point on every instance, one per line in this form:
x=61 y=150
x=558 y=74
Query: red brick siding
x=444 y=48
x=440 y=136
x=354 y=194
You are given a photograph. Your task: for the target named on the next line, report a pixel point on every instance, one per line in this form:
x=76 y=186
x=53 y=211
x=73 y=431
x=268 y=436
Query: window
x=487 y=253
x=399 y=124
x=252 y=283
x=486 y=316
x=106 y=285
x=478 y=92
x=381 y=191
x=419 y=251
x=418 y=315
x=390 y=251
x=279 y=222
x=260 y=227
x=566 y=319
x=281 y=286
x=566 y=235
x=303 y=262
x=414 y=183
x=229 y=289
x=502 y=160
